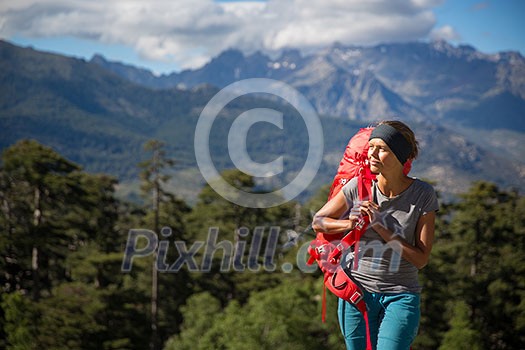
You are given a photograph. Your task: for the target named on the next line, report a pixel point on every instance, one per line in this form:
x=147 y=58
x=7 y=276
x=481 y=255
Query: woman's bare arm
x=329 y=218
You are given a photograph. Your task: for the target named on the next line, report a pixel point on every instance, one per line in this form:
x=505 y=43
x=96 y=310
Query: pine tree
x=80 y=297
x=485 y=258
x=38 y=186
x=19 y=315
x=154 y=177
x=461 y=335
x=238 y=267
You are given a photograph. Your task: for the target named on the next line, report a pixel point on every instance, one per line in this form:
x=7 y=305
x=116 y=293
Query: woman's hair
x=407 y=133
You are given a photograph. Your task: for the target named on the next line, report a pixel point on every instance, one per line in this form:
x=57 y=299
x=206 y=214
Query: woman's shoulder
x=350 y=188
x=352 y=182
x=426 y=195
x=423 y=186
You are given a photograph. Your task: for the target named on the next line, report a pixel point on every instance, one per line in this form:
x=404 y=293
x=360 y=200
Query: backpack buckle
x=360 y=223
x=322 y=249
x=356 y=297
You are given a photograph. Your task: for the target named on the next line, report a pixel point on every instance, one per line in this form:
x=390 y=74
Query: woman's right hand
x=355 y=212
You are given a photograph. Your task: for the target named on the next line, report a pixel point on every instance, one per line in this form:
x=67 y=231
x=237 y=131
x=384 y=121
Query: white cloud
x=189 y=32
x=445 y=33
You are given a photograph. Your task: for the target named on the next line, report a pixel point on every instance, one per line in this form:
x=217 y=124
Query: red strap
x=365 y=192
x=323 y=310
x=356 y=255
x=364 y=182
x=368 y=339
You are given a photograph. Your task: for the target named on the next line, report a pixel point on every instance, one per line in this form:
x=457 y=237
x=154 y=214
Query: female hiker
x=395 y=245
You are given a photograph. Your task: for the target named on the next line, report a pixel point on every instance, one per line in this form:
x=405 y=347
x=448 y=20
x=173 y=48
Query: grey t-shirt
x=380 y=265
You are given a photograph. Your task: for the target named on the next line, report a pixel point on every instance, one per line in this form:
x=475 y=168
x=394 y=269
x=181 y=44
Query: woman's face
x=381 y=157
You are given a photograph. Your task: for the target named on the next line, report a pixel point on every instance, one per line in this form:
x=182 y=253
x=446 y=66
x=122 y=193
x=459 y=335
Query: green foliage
x=61 y=246
x=213 y=211
x=43 y=212
x=167 y=210
x=19 y=324
x=478 y=259
x=461 y=335
x=69 y=318
x=282 y=317
x=96 y=217
x=199 y=314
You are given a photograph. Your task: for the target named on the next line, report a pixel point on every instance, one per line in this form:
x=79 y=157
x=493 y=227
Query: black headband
x=394 y=139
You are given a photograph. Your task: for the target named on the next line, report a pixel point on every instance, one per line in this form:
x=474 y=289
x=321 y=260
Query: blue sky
x=490 y=26
x=166 y=36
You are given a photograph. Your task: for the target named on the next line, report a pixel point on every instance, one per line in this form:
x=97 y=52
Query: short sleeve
x=429 y=199
x=350 y=190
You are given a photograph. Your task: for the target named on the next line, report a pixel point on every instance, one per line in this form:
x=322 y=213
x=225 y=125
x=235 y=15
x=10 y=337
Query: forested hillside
x=63 y=248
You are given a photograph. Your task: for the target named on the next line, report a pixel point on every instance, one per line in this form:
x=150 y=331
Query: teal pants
x=393 y=321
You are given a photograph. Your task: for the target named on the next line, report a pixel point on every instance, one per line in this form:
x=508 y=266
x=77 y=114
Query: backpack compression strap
x=364 y=190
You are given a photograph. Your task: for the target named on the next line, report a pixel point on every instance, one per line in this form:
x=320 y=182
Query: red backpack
x=327 y=249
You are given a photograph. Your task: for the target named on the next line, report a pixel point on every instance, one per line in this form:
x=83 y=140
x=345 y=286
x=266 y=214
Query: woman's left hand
x=371 y=209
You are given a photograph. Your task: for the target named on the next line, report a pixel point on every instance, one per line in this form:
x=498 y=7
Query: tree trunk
x=154 y=295
x=37 y=218
x=154 y=273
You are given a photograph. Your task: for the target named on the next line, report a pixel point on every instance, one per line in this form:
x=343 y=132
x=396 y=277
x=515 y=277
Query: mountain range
x=413 y=80
x=467 y=108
